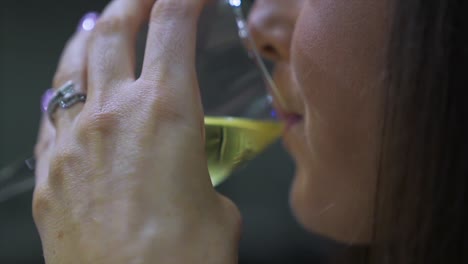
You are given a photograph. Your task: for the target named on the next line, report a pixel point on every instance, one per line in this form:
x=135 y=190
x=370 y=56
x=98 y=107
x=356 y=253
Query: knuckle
x=164 y=112
x=108 y=25
x=41 y=203
x=102 y=122
x=43 y=143
x=63 y=161
x=160 y=105
x=173 y=9
x=40 y=147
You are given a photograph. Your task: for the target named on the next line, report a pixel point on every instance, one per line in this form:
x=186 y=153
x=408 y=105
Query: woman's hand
x=123 y=178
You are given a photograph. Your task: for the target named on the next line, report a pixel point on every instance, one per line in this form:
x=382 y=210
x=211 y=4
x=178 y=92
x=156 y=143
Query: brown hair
x=421 y=214
x=421 y=209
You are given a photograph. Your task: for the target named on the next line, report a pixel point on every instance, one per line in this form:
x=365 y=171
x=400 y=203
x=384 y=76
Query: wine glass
x=236 y=88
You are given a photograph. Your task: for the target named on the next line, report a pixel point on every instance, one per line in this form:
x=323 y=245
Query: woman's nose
x=271 y=23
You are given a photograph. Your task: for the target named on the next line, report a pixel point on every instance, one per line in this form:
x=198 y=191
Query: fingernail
x=45 y=100
x=88 y=21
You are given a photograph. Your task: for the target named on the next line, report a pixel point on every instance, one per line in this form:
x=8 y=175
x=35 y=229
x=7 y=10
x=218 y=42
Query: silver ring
x=65 y=97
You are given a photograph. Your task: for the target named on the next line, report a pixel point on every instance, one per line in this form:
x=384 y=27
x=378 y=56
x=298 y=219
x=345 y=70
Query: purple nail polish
x=45 y=100
x=88 y=21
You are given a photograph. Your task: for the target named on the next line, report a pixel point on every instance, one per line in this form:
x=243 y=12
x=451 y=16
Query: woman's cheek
x=336 y=59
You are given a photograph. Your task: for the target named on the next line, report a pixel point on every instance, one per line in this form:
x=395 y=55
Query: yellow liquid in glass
x=230 y=142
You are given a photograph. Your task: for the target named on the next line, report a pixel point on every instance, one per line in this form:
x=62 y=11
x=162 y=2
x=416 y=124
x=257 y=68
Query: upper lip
x=285 y=112
x=286 y=103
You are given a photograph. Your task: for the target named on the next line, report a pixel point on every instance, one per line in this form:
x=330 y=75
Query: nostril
x=270 y=52
x=269 y=49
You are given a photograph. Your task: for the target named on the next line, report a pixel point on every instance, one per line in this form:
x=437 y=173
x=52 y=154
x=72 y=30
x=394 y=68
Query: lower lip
x=292 y=134
x=291 y=121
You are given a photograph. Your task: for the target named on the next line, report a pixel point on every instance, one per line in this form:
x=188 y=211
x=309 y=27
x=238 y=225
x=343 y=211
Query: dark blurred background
x=32 y=36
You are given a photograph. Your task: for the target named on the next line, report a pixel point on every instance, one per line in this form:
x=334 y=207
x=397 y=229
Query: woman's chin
x=319 y=214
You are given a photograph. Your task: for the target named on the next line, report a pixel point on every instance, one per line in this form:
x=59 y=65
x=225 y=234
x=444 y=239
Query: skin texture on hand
x=123 y=178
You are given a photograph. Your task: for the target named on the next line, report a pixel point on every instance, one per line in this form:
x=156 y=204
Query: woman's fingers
x=45 y=142
x=72 y=67
x=171 y=37
x=169 y=59
x=112 y=48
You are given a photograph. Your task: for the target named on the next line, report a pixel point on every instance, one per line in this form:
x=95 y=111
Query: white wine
x=230 y=142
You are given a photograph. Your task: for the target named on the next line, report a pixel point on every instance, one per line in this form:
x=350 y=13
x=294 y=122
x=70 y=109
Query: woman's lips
x=289 y=118
x=292 y=135
x=292 y=120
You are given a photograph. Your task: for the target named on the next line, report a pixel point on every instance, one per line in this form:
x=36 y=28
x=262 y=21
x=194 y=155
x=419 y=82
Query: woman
x=377 y=127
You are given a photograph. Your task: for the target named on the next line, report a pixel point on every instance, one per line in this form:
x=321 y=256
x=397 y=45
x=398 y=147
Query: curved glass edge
x=248 y=40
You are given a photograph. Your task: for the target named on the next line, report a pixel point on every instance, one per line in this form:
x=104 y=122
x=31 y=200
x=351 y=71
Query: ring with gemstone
x=65 y=97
